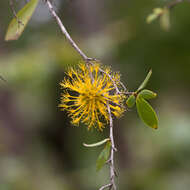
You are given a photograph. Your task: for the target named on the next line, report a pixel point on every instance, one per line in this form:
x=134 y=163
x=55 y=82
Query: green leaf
x=147 y=94
x=131 y=101
x=146 y=112
x=104 y=156
x=165 y=20
x=97 y=144
x=15 y=29
x=144 y=83
x=153 y=16
x=158 y=11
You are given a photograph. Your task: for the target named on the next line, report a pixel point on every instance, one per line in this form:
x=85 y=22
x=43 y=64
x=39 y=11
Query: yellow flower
x=88 y=93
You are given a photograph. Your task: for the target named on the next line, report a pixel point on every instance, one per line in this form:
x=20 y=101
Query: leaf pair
x=18 y=24
x=164 y=16
x=144 y=109
x=145 y=94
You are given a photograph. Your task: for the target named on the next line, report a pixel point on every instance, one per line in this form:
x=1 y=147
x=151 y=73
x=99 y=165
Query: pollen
x=87 y=94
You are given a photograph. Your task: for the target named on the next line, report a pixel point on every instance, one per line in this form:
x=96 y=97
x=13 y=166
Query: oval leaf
x=147 y=94
x=15 y=29
x=146 y=112
x=165 y=20
x=158 y=11
x=104 y=156
x=131 y=101
x=144 y=83
x=153 y=16
x=97 y=144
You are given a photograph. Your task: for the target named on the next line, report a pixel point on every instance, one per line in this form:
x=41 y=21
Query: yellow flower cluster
x=87 y=94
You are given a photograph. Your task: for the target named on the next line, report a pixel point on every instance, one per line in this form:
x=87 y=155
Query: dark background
x=38 y=147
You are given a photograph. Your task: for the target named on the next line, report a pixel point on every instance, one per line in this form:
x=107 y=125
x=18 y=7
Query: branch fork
x=88 y=60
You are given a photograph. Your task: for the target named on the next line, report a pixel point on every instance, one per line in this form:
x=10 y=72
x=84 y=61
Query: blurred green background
x=38 y=147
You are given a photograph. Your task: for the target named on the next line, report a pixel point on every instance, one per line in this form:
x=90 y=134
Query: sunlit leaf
x=165 y=20
x=96 y=144
x=146 y=112
x=147 y=94
x=17 y=25
x=151 y=18
x=104 y=156
x=144 y=83
x=158 y=11
x=154 y=15
x=131 y=101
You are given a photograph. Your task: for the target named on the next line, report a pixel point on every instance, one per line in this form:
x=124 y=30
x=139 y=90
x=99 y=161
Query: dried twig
x=90 y=61
x=115 y=85
x=63 y=29
x=111 y=159
x=174 y=3
x=113 y=149
x=75 y=46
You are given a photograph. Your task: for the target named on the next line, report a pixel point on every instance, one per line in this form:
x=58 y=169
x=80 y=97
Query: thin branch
x=111 y=159
x=90 y=61
x=63 y=29
x=115 y=85
x=174 y=3
x=124 y=87
x=75 y=46
x=128 y=93
x=68 y=37
x=113 y=149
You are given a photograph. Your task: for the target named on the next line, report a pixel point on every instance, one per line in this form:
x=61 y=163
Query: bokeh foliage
x=38 y=149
